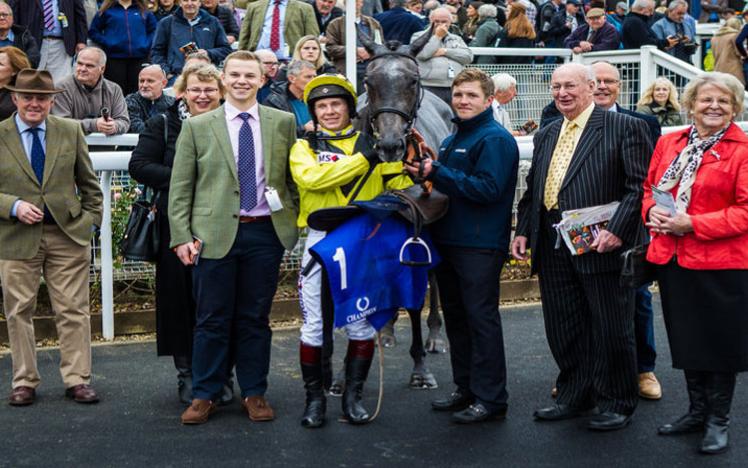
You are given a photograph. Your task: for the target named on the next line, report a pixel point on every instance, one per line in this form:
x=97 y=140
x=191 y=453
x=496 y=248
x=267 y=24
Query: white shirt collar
x=232 y=112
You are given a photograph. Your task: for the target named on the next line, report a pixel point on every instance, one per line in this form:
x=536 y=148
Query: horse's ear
x=418 y=45
x=370 y=46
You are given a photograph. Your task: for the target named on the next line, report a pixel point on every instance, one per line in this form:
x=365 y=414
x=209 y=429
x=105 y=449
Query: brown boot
x=198 y=412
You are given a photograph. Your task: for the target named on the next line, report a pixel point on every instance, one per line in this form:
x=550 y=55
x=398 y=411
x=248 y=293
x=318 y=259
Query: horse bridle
x=409 y=117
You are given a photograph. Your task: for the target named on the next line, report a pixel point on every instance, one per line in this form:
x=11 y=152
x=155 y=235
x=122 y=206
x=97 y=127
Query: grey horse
x=394 y=103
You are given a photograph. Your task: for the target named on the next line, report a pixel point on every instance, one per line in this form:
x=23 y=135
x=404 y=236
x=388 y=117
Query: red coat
x=718 y=208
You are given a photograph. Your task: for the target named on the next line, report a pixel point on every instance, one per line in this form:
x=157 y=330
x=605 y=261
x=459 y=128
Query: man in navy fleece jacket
x=477 y=169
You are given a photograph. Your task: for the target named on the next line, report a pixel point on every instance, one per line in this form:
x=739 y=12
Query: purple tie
x=49 y=15
x=246 y=166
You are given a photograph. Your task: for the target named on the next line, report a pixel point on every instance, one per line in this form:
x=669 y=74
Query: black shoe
x=609 y=421
x=456 y=401
x=720 y=388
x=693 y=421
x=184 y=378
x=184 y=390
x=476 y=413
x=357 y=364
x=686 y=424
x=558 y=412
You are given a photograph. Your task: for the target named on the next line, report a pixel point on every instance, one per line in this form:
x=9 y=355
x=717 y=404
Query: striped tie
x=49 y=15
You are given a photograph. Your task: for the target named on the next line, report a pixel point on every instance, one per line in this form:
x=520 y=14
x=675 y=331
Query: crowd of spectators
x=142 y=42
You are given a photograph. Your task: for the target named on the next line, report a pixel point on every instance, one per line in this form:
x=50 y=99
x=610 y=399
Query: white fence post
x=107 y=263
x=647 y=70
x=350 y=42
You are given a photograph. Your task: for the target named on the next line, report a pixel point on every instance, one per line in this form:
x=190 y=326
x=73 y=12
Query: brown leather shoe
x=258 y=408
x=22 y=396
x=198 y=412
x=649 y=386
x=82 y=393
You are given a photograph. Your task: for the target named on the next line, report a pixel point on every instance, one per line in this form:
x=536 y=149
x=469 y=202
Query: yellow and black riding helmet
x=330 y=85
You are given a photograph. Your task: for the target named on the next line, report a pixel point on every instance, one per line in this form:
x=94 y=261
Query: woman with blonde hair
x=308 y=49
x=660 y=99
x=12 y=60
x=518 y=32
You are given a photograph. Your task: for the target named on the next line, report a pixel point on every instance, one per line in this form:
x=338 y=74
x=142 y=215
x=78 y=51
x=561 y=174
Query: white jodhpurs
x=310 y=299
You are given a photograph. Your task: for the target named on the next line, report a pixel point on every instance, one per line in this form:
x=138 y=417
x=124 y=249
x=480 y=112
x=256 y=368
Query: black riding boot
x=719 y=390
x=357 y=364
x=183 y=365
x=311 y=370
x=693 y=421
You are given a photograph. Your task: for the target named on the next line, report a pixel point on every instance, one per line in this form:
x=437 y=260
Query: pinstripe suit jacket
x=609 y=164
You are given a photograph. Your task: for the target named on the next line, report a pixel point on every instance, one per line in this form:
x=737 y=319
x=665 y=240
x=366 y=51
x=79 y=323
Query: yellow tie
x=559 y=164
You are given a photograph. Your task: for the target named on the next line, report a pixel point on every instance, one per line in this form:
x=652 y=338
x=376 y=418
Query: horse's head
x=394 y=93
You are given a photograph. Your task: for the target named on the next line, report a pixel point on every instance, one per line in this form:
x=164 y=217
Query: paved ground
x=137 y=422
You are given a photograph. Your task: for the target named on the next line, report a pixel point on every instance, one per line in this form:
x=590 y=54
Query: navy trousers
x=233 y=296
x=644 y=331
x=469 y=292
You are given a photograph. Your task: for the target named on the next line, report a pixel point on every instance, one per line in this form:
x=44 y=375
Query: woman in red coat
x=702 y=251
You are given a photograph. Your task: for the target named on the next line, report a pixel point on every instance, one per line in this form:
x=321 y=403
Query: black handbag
x=636 y=270
x=142 y=235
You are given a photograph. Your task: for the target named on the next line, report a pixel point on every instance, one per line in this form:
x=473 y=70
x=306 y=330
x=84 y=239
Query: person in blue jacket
x=124 y=30
x=188 y=29
x=477 y=169
x=398 y=23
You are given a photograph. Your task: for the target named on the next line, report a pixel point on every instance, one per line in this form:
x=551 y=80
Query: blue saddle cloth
x=362 y=258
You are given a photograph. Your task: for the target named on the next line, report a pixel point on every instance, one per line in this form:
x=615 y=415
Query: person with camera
x=679 y=29
x=189 y=29
x=92 y=99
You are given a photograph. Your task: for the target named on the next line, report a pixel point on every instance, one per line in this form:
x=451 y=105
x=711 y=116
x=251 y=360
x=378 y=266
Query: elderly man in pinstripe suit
x=590 y=157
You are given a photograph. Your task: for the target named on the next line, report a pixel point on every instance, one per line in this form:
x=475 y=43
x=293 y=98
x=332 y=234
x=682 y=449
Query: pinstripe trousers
x=589 y=323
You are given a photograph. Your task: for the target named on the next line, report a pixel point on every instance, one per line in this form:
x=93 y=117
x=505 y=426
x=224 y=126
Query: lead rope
x=380 y=348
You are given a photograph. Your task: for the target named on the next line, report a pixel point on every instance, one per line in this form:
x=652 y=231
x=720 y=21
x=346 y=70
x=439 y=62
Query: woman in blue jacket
x=124 y=29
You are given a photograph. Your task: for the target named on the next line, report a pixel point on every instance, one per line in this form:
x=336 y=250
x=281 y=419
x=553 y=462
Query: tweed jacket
x=70 y=189
x=299 y=21
x=335 y=34
x=204 y=190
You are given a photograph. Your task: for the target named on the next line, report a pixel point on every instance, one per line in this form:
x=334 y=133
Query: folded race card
x=664 y=200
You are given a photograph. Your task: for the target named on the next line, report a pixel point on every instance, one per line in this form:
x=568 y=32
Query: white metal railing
x=565 y=54
x=106 y=162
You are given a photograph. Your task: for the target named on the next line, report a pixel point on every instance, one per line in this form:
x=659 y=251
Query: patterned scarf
x=183 y=110
x=682 y=171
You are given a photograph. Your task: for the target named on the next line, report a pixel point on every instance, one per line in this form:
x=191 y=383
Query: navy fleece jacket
x=477 y=169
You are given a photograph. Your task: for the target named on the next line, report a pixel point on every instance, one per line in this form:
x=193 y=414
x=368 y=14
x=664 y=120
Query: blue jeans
x=644 y=330
x=234 y=295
